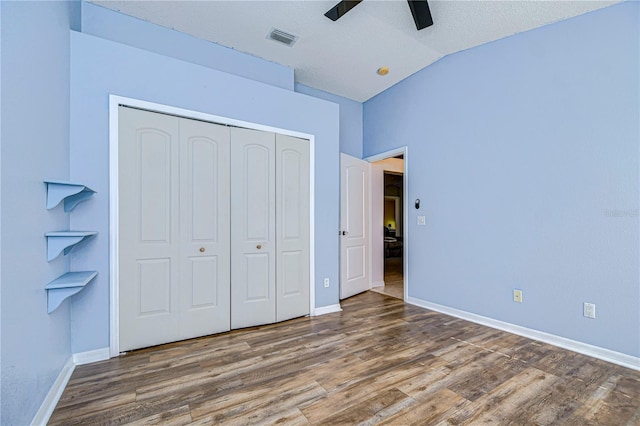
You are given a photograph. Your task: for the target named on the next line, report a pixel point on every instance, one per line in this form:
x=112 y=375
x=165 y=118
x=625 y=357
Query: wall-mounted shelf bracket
x=71 y=193
x=66 y=286
x=57 y=242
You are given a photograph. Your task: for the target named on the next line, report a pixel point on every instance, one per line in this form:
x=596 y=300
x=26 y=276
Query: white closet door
x=292 y=229
x=174 y=276
x=149 y=247
x=253 y=254
x=187 y=267
x=204 y=229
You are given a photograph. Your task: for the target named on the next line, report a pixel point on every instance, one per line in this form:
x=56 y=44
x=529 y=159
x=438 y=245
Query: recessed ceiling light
x=383 y=71
x=282 y=37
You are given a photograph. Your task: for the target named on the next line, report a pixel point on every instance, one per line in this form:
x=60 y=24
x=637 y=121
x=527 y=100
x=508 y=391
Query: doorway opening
x=388 y=224
x=393 y=236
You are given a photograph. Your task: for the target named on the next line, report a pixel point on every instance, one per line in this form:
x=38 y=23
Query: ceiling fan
x=419 y=10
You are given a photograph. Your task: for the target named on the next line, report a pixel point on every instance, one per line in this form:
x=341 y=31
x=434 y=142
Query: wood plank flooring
x=377 y=362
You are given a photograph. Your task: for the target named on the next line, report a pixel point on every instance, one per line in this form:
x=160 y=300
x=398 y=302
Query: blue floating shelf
x=57 y=242
x=66 y=286
x=71 y=193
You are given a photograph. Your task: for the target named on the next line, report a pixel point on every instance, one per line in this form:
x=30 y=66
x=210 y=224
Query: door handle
x=345 y=232
x=259 y=246
x=202 y=249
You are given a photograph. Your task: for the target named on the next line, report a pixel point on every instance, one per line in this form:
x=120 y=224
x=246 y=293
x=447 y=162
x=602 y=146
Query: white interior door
x=253 y=252
x=149 y=248
x=354 y=222
x=174 y=275
x=204 y=229
x=292 y=230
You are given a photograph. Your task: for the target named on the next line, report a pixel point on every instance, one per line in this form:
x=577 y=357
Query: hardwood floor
x=377 y=362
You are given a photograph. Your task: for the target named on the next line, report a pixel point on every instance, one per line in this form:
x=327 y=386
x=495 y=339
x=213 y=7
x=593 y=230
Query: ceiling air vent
x=282 y=37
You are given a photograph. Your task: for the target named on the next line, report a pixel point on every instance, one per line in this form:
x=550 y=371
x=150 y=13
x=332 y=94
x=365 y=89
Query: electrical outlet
x=326 y=282
x=517 y=295
x=589 y=310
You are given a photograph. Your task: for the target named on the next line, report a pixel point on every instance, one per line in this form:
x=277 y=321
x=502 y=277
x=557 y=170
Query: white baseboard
x=572 y=345
x=323 y=310
x=51 y=400
x=377 y=284
x=91 y=356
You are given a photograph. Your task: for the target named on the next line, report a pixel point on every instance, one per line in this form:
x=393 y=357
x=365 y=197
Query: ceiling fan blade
x=340 y=9
x=421 y=13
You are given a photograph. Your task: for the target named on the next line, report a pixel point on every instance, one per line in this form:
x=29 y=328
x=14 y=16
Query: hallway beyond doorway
x=393 y=278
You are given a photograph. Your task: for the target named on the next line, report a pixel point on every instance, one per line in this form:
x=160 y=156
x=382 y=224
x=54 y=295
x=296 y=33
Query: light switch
x=421 y=220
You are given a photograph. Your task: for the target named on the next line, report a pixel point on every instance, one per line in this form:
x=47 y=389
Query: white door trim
x=114 y=102
x=404 y=151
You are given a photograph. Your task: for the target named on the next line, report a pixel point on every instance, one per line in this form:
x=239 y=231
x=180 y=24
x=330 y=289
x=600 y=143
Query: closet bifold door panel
x=253 y=248
x=204 y=229
x=173 y=234
x=292 y=227
x=148 y=226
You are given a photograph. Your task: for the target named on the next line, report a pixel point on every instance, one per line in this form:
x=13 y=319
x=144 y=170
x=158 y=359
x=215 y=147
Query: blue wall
x=111 y=25
x=525 y=154
x=60 y=81
x=350 y=119
x=35 y=146
x=148 y=76
x=0 y=213
x=214 y=92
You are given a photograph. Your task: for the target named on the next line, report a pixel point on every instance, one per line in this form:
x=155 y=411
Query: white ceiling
x=342 y=57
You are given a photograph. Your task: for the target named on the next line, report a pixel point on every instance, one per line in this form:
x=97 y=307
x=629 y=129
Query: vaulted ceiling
x=342 y=57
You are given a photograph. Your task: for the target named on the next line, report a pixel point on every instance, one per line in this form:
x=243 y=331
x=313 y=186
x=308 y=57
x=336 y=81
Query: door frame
x=116 y=101
x=404 y=151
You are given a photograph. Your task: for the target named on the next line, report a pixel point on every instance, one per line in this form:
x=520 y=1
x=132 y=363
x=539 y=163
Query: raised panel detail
x=154 y=286
x=155 y=185
x=356 y=207
x=291 y=276
x=291 y=194
x=292 y=230
x=258 y=181
x=204 y=281
x=355 y=262
x=204 y=183
x=257 y=267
